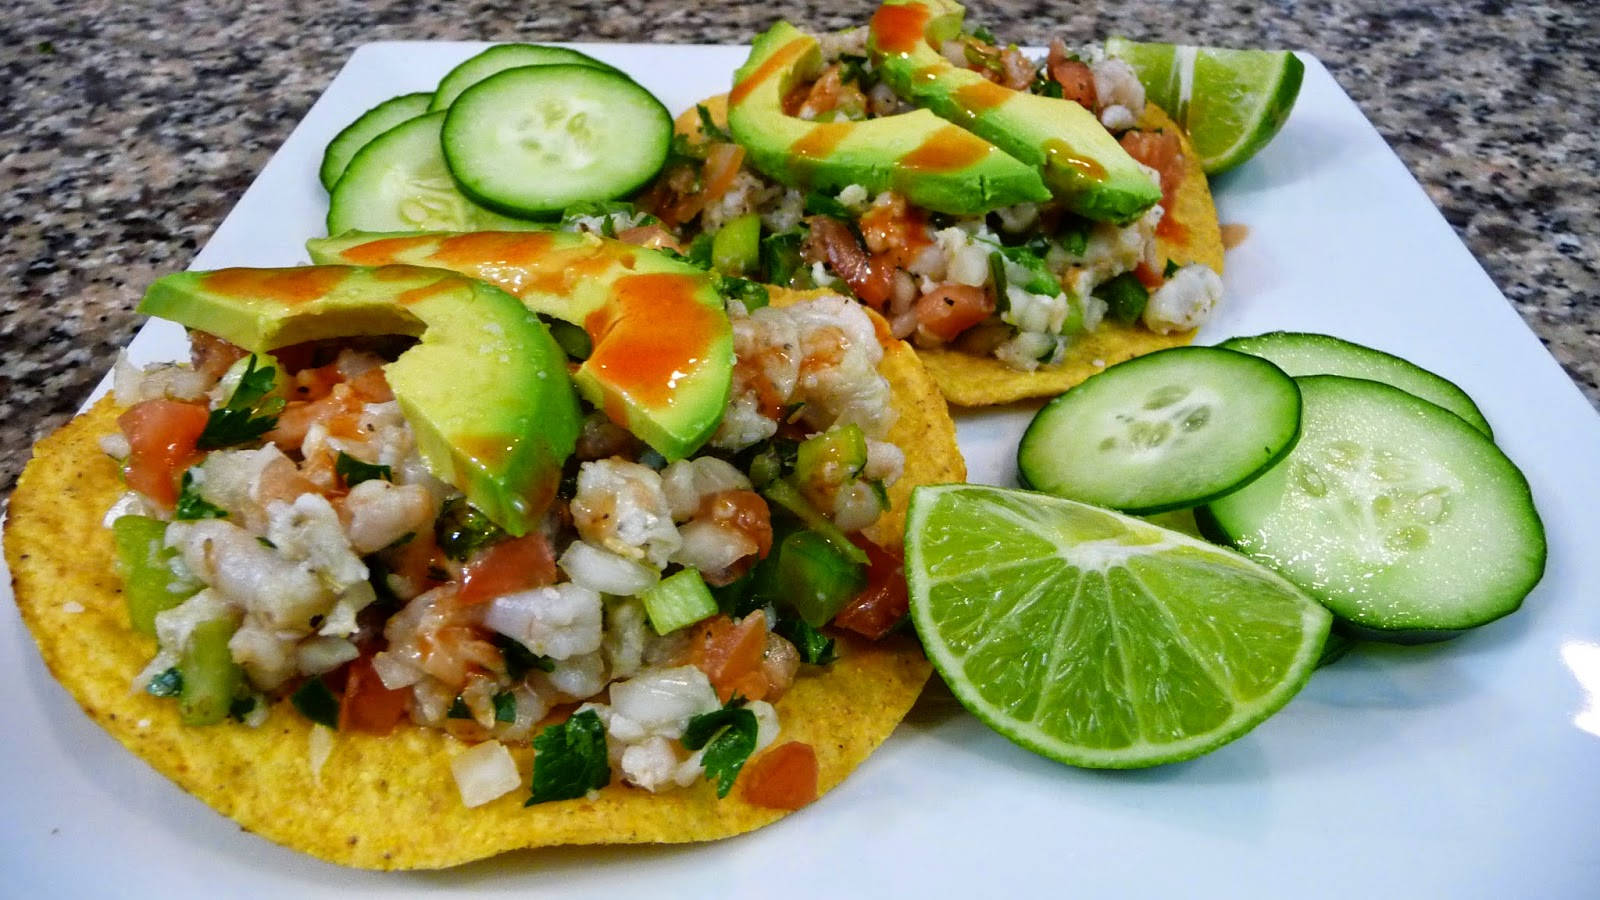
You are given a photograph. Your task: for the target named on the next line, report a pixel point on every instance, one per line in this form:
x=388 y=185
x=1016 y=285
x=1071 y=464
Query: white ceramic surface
x=1465 y=769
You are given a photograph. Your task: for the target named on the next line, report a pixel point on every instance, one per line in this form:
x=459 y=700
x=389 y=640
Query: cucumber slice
x=1299 y=353
x=501 y=57
x=399 y=182
x=1402 y=519
x=538 y=139
x=1172 y=429
x=359 y=133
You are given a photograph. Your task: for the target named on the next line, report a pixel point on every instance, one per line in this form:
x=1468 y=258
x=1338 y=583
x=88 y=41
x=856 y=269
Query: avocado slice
x=1081 y=162
x=662 y=363
x=936 y=165
x=485 y=390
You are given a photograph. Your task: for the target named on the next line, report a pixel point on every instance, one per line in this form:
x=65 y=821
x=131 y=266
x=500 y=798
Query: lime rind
x=1167 y=648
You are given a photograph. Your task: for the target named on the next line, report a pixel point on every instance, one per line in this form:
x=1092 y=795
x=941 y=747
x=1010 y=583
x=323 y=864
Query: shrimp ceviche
x=419 y=527
x=961 y=247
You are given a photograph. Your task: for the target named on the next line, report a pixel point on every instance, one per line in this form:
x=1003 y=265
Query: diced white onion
x=319 y=747
x=606 y=572
x=395 y=673
x=316 y=655
x=484 y=772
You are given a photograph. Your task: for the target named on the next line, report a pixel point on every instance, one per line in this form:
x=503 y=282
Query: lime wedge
x=1231 y=102
x=1097 y=639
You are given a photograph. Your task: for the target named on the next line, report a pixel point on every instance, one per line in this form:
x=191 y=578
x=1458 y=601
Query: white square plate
x=1464 y=769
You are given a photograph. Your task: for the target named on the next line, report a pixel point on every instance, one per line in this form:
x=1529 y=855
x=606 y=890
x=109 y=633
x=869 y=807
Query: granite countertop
x=130 y=129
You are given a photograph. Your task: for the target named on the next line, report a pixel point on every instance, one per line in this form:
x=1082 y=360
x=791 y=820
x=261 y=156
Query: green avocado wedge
x=936 y=165
x=485 y=389
x=662 y=358
x=1080 y=161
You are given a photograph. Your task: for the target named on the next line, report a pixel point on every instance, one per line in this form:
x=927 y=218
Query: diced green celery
x=147 y=582
x=788 y=497
x=832 y=457
x=1073 y=323
x=211 y=678
x=736 y=248
x=817 y=579
x=678 y=600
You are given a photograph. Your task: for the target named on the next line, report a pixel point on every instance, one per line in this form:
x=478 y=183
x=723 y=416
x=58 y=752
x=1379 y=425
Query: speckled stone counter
x=129 y=130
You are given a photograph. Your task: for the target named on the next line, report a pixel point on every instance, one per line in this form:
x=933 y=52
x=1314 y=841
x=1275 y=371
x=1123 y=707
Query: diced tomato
x=830 y=241
x=513 y=565
x=950 y=309
x=369 y=706
x=730 y=654
x=1074 y=76
x=883 y=602
x=784 y=777
x=163 y=434
x=722 y=166
x=212 y=355
x=1148 y=275
x=1160 y=150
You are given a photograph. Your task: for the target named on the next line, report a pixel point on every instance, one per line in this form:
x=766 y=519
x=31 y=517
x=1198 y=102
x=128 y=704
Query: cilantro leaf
x=1171 y=269
x=191 y=505
x=231 y=427
x=505 y=707
x=780 y=258
x=248 y=414
x=569 y=759
x=815 y=647
x=167 y=684
x=728 y=736
x=700 y=251
x=354 y=471
x=317 y=702
x=709 y=127
x=1040 y=279
x=1046 y=86
x=463 y=529
x=241 y=708
x=752 y=294
x=1073 y=235
x=254 y=385
x=821 y=204
x=982 y=33
x=519 y=659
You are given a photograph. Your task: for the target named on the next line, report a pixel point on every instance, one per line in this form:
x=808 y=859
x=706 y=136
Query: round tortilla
x=970 y=380
x=391 y=802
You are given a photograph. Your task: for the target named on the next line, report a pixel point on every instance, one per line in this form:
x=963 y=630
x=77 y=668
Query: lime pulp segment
x=1231 y=102
x=1097 y=639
